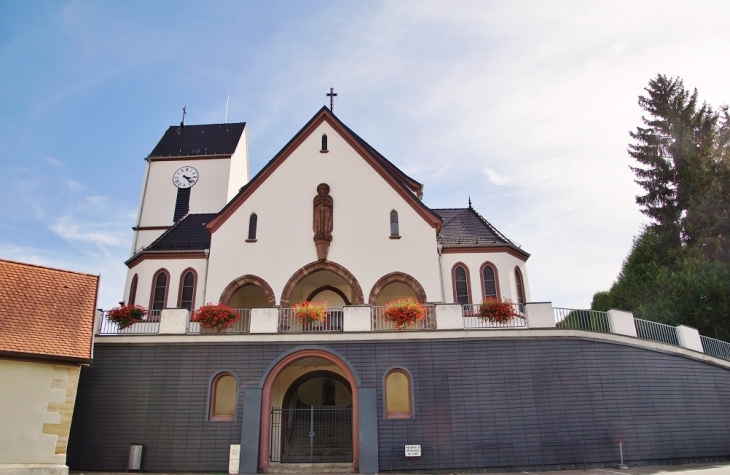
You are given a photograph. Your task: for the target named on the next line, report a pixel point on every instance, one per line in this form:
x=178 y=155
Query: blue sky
x=524 y=106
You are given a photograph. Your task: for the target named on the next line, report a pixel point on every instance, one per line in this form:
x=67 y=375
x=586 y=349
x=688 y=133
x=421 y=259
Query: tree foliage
x=678 y=270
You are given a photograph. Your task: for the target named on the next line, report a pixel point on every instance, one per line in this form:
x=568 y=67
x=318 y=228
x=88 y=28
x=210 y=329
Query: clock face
x=185 y=177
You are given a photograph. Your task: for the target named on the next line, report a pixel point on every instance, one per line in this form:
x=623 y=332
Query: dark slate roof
x=187 y=234
x=192 y=140
x=464 y=227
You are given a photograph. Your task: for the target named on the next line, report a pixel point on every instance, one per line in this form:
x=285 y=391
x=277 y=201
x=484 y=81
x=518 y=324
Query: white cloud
x=495 y=177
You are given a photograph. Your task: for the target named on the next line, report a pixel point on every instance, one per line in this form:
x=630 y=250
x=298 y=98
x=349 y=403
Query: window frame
x=180 y=287
x=411 y=395
x=253 y=225
x=212 y=388
x=496 y=280
x=323 y=148
x=396 y=222
x=154 y=286
x=132 y=296
x=468 y=282
x=520 y=286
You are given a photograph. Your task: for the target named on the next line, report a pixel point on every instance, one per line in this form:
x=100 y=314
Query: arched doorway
x=317 y=280
x=309 y=392
x=314 y=422
x=248 y=291
x=396 y=285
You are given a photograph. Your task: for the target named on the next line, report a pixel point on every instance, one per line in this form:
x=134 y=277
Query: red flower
x=126 y=315
x=216 y=317
x=497 y=311
x=307 y=312
x=404 y=312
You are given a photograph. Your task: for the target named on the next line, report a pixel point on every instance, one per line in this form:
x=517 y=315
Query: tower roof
x=197 y=140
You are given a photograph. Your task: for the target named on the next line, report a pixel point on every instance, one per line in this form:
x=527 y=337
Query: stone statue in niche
x=322 y=206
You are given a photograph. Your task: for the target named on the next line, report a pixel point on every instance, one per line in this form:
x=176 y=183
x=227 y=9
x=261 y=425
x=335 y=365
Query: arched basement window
x=489 y=282
x=461 y=284
x=159 y=291
x=324 y=144
x=252 y=223
x=187 y=290
x=394 y=224
x=398 y=395
x=223 y=395
x=133 y=290
x=519 y=286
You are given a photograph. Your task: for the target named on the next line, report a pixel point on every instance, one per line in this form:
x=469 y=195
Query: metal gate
x=311 y=434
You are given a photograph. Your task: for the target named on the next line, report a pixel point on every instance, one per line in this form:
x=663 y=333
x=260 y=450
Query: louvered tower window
x=182 y=204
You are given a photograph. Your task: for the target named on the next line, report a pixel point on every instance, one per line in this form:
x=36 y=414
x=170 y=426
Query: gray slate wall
x=467 y=392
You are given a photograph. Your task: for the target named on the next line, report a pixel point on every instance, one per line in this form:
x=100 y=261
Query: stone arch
x=402 y=278
x=267 y=386
x=357 y=296
x=244 y=280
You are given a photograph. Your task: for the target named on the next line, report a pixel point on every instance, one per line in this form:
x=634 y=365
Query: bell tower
x=193 y=169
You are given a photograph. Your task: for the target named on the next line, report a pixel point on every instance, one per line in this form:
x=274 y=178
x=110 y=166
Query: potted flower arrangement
x=309 y=312
x=126 y=315
x=404 y=312
x=215 y=317
x=496 y=311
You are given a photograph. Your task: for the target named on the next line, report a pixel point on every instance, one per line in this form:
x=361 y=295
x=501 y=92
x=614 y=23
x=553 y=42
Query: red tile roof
x=46 y=312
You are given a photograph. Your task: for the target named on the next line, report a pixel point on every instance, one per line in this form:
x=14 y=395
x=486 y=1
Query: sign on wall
x=413 y=450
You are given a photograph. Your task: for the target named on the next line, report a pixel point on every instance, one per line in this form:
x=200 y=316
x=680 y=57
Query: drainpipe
x=205 y=279
x=439 y=248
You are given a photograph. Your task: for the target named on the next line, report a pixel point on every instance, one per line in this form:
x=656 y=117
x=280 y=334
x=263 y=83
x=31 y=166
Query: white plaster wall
x=146 y=270
x=505 y=264
x=239 y=166
x=25 y=393
x=362 y=205
x=208 y=195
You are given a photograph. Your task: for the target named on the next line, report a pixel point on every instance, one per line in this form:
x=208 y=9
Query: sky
x=524 y=107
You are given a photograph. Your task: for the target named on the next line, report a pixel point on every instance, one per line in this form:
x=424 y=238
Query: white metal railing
x=656 y=332
x=380 y=324
x=149 y=325
x=288 y=323
x=242 y=325
x=590 y=320
x=717 y=348
x=472 y=318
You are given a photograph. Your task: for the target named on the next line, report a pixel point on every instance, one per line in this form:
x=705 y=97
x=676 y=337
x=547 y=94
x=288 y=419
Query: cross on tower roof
x=332 y=94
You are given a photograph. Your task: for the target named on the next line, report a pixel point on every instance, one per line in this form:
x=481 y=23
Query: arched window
x=133 y=291
x=252 y=222
x=187 y=289
x=223 y=396
x=394 y=224
x=490 y=287
x=460 y=276
x=398 y=395
x=159 y=291
x=324 y=143
x=519 y=285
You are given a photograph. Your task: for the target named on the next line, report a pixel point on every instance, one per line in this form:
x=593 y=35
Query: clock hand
x=190 y=180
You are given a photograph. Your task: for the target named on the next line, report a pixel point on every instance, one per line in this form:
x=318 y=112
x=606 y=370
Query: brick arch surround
x=243 y=281
x=357 y=296
x=267 y=388
x=401 y=277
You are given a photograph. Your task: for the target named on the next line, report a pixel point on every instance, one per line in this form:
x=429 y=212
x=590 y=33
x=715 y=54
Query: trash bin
x=135 y=457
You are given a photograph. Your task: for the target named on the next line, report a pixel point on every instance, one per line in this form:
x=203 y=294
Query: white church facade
x=329 y=219
x=250 y=244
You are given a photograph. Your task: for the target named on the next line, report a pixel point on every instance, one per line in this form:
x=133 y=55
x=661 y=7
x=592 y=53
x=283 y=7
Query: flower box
x=309 y=313
x=215 y=317
x=496 y=311
x=404 y=312
x=126 y=315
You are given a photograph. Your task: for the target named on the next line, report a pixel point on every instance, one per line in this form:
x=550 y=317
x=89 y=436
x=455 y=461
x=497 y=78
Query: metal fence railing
x=288 y=323
x=149 y=325
x=591 y=320
x=472 y=319
x=242 y=325
x=379 y=323
x=654 y=331
x=717 y=348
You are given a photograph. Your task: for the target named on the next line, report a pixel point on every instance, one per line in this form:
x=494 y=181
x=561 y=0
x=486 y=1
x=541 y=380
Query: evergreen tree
x=678 y=270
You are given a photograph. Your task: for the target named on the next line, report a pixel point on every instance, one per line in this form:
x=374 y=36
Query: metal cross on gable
x=332 y=94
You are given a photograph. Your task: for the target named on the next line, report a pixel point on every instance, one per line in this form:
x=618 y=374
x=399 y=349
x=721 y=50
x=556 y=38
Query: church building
x=331 y=220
